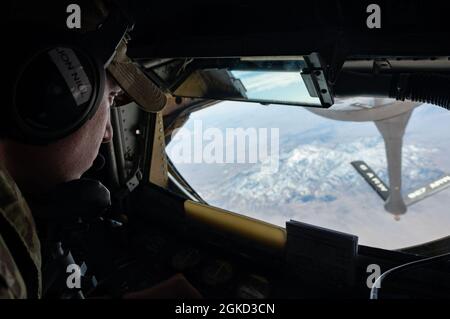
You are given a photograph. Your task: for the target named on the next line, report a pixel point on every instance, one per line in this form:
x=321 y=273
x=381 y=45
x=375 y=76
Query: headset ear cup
x=101 y=85
x=57 y=90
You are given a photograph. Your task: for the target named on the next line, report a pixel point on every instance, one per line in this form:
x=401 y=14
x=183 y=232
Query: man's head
x=38 y=168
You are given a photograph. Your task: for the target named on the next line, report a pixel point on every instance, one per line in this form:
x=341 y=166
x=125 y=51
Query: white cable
x=413 y=264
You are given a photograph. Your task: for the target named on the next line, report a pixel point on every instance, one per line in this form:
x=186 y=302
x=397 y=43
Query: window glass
x=312 y=179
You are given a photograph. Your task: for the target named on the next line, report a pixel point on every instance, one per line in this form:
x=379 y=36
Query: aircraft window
x=331 y=169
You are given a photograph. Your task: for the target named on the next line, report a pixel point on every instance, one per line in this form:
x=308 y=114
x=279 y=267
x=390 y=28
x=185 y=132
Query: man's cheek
x=107 y=138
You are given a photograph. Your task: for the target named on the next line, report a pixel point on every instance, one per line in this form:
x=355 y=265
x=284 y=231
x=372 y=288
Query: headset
x=56 y=79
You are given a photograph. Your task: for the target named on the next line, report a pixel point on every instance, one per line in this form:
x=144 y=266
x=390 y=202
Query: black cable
x=424 y=88
x=410 y=265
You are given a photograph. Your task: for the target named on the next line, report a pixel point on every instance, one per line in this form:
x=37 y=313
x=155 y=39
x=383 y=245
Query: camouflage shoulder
x=15 y=211
x=12 y=285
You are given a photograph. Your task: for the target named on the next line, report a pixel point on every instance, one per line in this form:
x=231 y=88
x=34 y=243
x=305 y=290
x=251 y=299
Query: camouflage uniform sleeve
x=12 y=285
x=16 y=216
